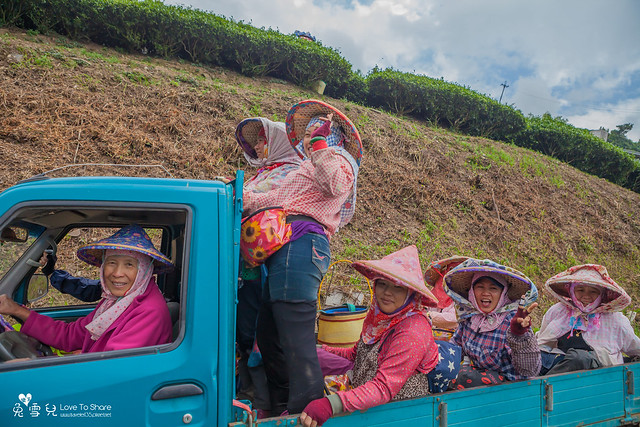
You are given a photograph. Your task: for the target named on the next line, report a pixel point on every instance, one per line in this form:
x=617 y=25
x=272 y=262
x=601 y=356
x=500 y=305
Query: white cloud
x=577 y=58
x=611 y=115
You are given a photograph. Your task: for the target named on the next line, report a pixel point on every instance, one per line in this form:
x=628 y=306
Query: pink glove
x=319 y=410
x=323 y=131
x=516 y=327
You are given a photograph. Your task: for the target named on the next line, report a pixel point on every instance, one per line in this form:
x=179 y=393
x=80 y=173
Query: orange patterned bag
x=263 y=233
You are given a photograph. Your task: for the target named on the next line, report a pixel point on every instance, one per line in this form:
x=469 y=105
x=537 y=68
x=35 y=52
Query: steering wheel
x=16 y=345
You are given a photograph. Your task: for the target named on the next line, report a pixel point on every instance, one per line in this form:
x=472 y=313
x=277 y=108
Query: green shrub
x=442 y=103
x=12 y=13
x=556 y=138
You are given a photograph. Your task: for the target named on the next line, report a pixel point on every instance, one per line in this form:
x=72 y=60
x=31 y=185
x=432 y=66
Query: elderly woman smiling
x=132 y=312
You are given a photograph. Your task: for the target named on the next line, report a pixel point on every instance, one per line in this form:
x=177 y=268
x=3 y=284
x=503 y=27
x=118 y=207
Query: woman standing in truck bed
x=314 y=198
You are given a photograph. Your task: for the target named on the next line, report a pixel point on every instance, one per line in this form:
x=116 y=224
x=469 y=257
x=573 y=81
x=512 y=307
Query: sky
x=579 y=59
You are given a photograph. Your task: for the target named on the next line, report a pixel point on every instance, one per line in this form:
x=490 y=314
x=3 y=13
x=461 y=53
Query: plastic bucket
x=318 y=86
x=341 y=326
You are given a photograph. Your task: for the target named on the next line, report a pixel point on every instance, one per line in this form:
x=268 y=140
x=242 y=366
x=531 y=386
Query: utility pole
x=504 y=86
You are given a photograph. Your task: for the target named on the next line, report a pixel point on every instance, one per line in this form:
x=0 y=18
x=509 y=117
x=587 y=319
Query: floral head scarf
x=278 y=148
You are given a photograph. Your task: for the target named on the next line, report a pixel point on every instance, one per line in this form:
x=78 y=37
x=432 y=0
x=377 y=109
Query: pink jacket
x=145 y=322
x=398 y=359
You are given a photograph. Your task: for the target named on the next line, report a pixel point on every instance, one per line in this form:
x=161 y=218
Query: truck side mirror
x=14 y=234
x=38 y=287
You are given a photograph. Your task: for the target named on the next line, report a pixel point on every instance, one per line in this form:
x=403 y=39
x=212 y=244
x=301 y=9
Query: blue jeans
x=286 y=323
x=296 y=270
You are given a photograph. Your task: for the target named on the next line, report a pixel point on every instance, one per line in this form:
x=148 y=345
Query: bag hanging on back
x=263 y=233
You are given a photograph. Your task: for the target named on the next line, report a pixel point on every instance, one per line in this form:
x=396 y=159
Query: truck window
x=67 y=261
x=11 y=251
x=67 y=226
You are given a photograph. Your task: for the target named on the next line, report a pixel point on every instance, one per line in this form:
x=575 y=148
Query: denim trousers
x=286 y=322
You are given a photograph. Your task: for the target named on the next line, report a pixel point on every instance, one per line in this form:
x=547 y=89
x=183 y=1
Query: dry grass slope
x=62 y=102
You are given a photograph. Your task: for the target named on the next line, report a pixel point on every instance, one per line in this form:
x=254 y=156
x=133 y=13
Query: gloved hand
x=50 y=265
x=324 y=130
x=521 y=322
x=318 y=411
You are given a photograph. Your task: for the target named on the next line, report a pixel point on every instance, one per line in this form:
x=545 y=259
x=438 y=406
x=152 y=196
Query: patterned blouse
x=516 y=357
x=317 y=189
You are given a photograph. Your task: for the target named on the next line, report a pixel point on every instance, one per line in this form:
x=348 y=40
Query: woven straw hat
x=437 y=269
x=401 y=268
x=300 y=114
x=130 y=238
x=459 y=279
x=591 y=275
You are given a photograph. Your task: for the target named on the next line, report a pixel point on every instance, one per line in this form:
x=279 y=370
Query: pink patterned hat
x=401 y=268
x=614 y=297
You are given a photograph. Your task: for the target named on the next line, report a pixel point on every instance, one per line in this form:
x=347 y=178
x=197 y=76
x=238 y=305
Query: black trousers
x=287 y=342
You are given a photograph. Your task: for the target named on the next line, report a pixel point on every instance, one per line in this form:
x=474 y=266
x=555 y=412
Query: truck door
x=166 y=384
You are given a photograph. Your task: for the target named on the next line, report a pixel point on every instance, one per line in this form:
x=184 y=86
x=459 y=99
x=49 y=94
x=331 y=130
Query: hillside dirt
x=63 y=103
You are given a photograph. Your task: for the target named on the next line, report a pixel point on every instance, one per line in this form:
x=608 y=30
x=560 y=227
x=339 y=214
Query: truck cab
x=188 y=381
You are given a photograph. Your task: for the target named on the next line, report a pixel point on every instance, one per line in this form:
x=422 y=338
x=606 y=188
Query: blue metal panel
x=516 y=403
x=69 y=312
x=403 y=413
x=632 y=388
x=229 y=259
x=586 y=397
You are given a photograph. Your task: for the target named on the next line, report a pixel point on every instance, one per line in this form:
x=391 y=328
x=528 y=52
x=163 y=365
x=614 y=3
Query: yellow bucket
x=340 y=326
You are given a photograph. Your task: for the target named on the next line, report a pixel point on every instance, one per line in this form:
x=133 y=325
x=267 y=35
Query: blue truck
x=191 y=381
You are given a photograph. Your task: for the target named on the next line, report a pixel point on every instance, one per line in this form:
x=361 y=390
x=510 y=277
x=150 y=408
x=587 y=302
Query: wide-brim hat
x=401 y=268
x=130 y=238
x=459 y=279
x=298 y=118
x=591 y=275
x=247 y=135
x=437 y=269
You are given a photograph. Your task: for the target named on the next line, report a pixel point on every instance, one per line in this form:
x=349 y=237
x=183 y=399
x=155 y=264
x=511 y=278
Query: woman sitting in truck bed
x=396 y=349
x=586 y=329
x=132 y=313
x=493 y=331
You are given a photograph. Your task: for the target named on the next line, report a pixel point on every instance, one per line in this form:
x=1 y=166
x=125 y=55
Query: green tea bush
x=578 y=147
x=442 y=103
x=175 y=31
x=354 y=89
